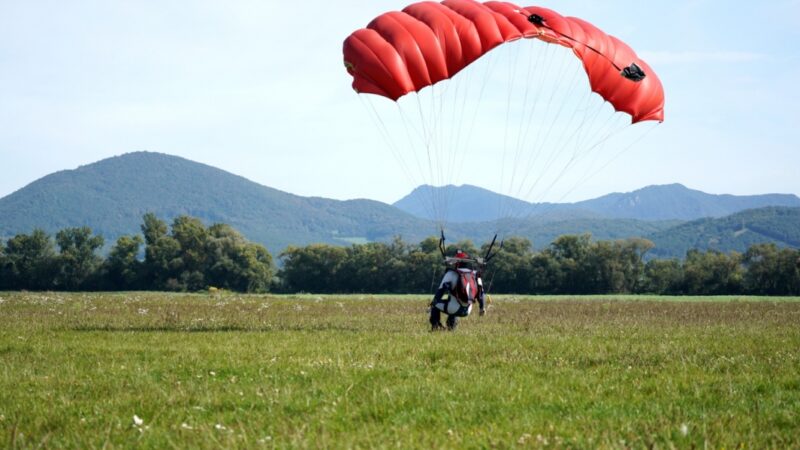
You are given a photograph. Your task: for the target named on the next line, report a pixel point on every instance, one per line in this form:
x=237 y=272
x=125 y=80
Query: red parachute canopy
x=403 y=52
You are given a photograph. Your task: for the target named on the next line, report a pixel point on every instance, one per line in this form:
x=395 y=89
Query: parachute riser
x=489 y=255
x=632 y=72
x=441 y=246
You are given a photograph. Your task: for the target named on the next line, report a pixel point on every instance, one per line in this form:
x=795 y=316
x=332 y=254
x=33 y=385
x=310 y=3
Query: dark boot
x=452 y=323
x=435 y=319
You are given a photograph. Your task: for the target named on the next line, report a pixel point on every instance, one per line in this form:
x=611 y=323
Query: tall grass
x=225 y=370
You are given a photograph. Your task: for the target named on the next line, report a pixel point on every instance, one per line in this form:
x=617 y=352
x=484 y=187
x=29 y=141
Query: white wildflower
x=212 y=373
x=220 y=427
x=186 y=426
x=137 y=421
x=684 y=429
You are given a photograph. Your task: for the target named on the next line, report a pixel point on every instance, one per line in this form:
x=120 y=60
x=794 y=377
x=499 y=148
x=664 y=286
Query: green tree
x=192 y=237
x=122 y=268
x=570 y=254
x=510 y=270
x=632 y=252
x=5 y=268
x=423 y=266
x=314 y=268
x=77 y=261
x=234 y=263
x=153 y=229
x=376 y=268
x=663 y=277
x=162 y=264
x=601 y=271
x=30 y=261
x=772 y=271
x=712 y=273
x=546 y=276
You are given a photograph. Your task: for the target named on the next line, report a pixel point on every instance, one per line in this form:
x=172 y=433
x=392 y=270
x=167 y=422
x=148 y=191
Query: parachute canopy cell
x=405 y=51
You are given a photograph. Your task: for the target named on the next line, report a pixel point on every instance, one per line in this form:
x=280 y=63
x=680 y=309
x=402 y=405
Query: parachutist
x=463 y=286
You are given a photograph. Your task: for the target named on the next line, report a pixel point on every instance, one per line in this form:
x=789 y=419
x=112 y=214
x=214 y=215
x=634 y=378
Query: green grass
x=226 y=370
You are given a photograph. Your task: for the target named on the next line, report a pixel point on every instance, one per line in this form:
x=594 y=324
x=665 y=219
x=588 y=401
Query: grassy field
x=225 y=370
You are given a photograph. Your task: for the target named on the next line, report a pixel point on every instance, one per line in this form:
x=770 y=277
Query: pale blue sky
x=258 y=88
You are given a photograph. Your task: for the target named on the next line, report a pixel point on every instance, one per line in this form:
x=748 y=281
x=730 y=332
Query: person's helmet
x=461 y=254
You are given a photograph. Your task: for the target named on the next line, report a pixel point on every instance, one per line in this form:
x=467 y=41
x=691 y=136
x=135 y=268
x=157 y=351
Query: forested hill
x=677 y=202
x=112 y=195
x=735 y=232
x=667 y=202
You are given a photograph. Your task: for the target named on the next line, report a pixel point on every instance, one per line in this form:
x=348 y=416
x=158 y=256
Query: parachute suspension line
x=503 y=203
x=594 y=139
x=554 y=85
x=565 y=142
x=444 y=147
x=539 y=81
x=455 y=121
x=430 y=205
x=564 y=145
x=574 y=159
x=383 y=130
x=576 y=141
x=468 y=112
x=542 y=145
x=623 y=151
x=429 y=124
x=467 y=137
x=512 y=76
x=525 y=125
x=611 y=131
x=432 y=150
x=451 y=145
x=587 y=175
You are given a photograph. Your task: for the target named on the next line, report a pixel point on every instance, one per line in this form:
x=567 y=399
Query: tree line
x=188 y=256
x=185 y=256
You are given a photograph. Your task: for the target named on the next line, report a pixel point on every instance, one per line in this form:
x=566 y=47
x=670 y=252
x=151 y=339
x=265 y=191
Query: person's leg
x=452 y=322
x=435 y=319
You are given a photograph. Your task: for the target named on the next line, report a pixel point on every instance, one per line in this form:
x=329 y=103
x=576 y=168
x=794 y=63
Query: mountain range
x=666 y=202
x=112 y=195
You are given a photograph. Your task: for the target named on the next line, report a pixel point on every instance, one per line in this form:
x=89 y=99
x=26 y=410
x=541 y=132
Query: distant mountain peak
x=655 y=202
x=112 y=195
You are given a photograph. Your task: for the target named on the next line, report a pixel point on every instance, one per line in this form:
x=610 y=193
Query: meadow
x=155 y=370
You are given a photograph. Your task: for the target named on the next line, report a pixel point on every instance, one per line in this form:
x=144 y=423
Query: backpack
x=467 y=287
